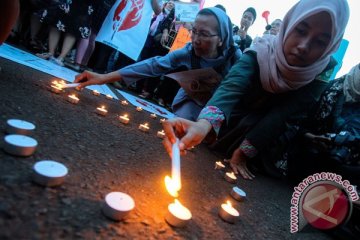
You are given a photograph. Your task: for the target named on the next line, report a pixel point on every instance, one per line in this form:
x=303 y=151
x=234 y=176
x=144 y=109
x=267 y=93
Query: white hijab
x=275 y=73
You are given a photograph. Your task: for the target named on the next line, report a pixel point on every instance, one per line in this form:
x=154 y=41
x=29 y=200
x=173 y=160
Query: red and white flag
x=126 y=26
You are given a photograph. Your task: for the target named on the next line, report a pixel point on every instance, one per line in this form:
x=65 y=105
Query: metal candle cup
x=228 y=213
x=56 y=88
x=21 y=127
x=219 y=165
x=124 y=102
x=160 y=134
x=49 y=173
x=108 y=96
x=144 y=127
x=117 y=205
x=153 y=116
x=177 y=215
x=73 y=99
x=139 y=109
x=230 y=177
x=162 y=120
x=20 y=145
x=101 y=111
x=96 y=92
x=124 y=119
x=238 y=194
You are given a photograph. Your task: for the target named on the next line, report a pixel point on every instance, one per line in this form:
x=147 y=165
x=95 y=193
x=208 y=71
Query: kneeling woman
x=211 y=46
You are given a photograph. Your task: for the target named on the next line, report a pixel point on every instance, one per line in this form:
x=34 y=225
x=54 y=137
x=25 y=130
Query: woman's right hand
x=190 y=133
x=87 y=78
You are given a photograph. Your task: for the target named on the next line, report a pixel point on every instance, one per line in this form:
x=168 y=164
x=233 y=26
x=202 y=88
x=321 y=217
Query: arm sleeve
x=236 y=84
x=156 y=66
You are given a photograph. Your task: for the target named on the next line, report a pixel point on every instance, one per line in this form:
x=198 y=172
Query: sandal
x=45 y=55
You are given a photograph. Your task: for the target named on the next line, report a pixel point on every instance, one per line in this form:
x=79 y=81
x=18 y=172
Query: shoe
x=45 y=55
x=161 y=102
x=145 y=95
x=72 y=66
x=57 y=61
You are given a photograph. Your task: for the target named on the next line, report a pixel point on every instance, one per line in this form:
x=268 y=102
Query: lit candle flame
x=171 y=186
x=228 y=203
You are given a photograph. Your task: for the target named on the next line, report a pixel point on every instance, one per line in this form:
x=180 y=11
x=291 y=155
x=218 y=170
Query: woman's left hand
x=238 y=164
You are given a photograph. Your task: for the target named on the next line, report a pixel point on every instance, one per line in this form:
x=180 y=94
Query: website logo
x=322 y=200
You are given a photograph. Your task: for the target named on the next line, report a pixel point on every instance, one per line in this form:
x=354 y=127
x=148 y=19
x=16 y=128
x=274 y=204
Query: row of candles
x=58 y=87
x=118 y=205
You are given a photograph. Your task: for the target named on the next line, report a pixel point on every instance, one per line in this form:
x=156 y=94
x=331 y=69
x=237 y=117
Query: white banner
x=126 y=26
x=186 y=12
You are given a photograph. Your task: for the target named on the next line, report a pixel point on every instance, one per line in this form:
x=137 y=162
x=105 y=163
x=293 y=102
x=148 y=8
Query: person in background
x=211 y=46
x=10 y=10
x=279 y=77
x=221 y=7
x=274 y=27
x=60 y=17
x=248 y=19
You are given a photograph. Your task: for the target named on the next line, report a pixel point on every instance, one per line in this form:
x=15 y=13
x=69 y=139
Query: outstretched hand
x=87 y=78
x=189 y=133
x=238 y=164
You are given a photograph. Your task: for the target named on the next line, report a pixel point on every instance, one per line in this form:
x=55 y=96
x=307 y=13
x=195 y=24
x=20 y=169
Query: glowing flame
x=228 y=203
x=172 y=186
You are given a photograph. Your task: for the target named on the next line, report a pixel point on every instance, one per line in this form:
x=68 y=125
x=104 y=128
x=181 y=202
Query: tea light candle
x=219 y=165
x=153 y=116
x=160 y=134
x=177 y=215
x=124 y=119
x=238 y=194
x=108 y=96
x=139 y=109
x=124 y=102
x=16 y=126
x=73 y=99
x=49 y=173
x=162 y=120
x=117 y=205
x=96 y=92
x=101 y=111
x=20 y=145
x=144 y=127
x=228 y=213
x=56 y=88
x=230 y=177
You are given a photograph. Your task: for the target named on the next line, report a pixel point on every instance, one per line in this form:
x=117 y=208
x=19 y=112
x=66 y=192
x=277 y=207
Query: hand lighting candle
x=49 y=173
x=117 y=205
x=101 y=111
x=20 y=145
x=96 y=92
x=177 y=214
x=144 y=127
x=238 y=194
x=73 y=99
x=160 y=134
x=228 y=213
x=124 y=119
x=16 y=126
x=230 y=177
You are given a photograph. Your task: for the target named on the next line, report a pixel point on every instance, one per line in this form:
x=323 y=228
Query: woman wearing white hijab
x=211 y=46
x=278 y=78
